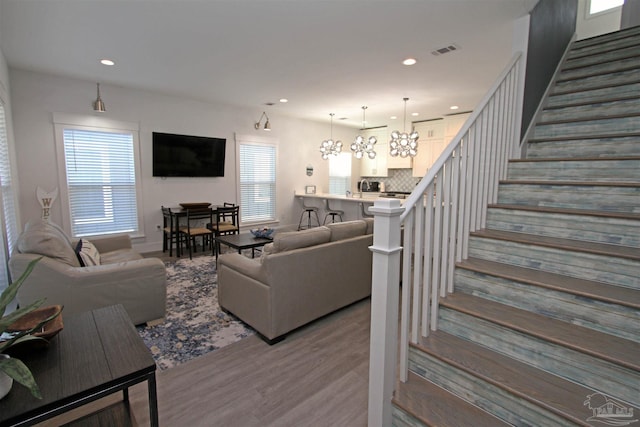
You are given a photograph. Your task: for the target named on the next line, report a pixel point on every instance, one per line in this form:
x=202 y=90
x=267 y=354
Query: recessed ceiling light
x=454 y=107
x=284 y=100
x=409 y=61
x=393 y=117
x=415 y=114
x=107 y=62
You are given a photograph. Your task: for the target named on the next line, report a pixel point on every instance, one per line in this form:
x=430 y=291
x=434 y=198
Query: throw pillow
x=87 y=253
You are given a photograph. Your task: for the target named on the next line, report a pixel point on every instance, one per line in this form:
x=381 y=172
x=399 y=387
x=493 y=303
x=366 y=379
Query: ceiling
x=331 y=56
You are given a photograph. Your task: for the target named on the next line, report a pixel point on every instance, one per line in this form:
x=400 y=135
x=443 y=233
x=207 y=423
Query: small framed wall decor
x=310 y=189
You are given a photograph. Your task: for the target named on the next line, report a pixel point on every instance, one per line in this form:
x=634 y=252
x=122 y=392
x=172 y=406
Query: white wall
x=591 y=26
x=36 y=96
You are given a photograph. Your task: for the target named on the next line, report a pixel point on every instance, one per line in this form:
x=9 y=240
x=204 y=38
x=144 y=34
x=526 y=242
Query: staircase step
x=596 y=49
x=577 y=169
x=590 y=96
x=597 y=77
x=518 y=393
x=605 y=196
x=594 y=305
x=600 y=361
x=601 y=109
x=602 y=56
x=611 y=264
x=585 y=146
x=420 y=402
x=618 y=125
x=590 y=226
x=601 y=39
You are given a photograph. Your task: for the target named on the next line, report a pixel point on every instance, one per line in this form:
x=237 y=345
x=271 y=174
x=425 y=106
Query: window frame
x=256 y=141
x=98 y=124
x=589 y=15
x=346 y=178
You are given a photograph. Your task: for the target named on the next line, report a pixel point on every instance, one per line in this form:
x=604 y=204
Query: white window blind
x=340 y=173
x=257 y=182
x=101 y=181
x=9 y=220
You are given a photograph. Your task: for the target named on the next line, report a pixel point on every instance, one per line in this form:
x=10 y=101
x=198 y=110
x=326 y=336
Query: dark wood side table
x=242 y=241
x=98 y=353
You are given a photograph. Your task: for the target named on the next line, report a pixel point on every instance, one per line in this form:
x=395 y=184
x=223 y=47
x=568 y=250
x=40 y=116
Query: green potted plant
x=11 y=366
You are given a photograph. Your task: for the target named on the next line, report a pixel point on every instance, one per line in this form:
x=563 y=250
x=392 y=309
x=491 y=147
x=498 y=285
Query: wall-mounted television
x=189 y=156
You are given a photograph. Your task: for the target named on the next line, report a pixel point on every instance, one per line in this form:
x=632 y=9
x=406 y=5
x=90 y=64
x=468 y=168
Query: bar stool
x=364 y=212
x=308 y=210
x=333 y=213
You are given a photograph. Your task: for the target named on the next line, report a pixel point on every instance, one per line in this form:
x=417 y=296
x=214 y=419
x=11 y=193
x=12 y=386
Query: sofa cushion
x=346 y=230
x=43 y=238
x=87 y=253
x=120 y=255
x=301 y=239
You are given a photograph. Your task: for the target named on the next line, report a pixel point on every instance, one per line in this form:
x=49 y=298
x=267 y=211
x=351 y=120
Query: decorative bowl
x=264 y=233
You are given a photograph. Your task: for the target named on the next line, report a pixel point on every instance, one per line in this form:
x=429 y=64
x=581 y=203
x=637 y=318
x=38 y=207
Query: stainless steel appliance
x=369 y=186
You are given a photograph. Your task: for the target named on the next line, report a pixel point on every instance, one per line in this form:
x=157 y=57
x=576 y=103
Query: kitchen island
x=351 y=205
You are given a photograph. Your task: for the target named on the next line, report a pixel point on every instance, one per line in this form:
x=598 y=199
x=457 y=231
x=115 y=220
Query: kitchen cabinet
x=378 y=166
x=435 y=135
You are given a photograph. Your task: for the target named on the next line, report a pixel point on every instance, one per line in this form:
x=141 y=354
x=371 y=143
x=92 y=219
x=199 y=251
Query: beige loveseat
x=300 y=277
x=122 y=277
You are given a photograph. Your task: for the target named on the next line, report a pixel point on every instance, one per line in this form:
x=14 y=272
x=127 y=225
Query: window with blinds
x=101 y=181
x=340 y=174
x=9 y=219
x=257 y=182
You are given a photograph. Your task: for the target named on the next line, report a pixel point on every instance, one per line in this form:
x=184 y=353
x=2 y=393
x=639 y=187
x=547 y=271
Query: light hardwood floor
x=317 y=376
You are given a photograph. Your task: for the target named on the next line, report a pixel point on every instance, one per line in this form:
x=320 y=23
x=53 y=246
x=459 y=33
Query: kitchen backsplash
x=398 y=180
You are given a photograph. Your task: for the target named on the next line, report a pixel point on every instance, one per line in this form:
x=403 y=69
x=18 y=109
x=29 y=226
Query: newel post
x=384 y=309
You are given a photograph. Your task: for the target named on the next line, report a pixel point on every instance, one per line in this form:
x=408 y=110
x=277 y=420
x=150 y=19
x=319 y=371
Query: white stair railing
x=435 y=222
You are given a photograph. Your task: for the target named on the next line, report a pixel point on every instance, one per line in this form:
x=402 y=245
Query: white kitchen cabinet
x=377 y=166
x=435 y=135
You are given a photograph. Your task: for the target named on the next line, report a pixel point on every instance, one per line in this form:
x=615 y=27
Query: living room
x=35 y=96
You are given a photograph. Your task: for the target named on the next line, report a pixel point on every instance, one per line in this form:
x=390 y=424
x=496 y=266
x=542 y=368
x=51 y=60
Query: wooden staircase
x=544 y=323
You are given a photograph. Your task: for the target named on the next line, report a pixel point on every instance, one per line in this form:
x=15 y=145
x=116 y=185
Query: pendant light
x=329 y=146
x=98 y=104
x=404 y=144
x=360 y=147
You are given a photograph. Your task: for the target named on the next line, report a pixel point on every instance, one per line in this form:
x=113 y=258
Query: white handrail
x=446 y=205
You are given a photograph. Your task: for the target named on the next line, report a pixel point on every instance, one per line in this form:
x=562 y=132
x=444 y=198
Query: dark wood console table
x=98 y=353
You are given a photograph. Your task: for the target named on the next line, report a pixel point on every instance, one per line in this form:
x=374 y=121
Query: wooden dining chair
x=192 y=230
x=227 y=221
x=170 y=232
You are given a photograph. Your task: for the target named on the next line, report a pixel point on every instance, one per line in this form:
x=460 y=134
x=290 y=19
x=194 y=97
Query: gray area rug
x=194 y=325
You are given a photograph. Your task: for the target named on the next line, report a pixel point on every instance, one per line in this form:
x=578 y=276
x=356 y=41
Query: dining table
x=181 y=211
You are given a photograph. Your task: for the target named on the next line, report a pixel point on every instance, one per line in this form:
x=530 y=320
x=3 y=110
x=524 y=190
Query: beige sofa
x=122 y=277
x=300 y=277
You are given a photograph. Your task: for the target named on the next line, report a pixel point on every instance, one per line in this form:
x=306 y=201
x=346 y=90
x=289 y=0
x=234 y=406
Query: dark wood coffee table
x=242 y=241
x=98 y=353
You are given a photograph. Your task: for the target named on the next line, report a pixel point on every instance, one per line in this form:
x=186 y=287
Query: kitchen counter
x=366 y=197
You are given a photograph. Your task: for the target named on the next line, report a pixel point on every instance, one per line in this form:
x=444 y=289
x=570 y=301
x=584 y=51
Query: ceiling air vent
x=445 y=49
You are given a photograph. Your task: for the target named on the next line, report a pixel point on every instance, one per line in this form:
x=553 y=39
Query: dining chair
x=170 y=232
x=227 y=221
x=192 y=231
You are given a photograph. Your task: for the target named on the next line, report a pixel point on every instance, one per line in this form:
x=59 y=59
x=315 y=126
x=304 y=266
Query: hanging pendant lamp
x=98 y=104
x=360 y=147
x=404 y=144
x=329 y=146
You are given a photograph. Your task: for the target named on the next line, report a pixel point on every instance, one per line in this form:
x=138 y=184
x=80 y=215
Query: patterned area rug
x=194 y=325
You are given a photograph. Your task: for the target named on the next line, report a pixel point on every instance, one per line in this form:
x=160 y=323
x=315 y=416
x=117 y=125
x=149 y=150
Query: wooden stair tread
x=588 y=341
x=624 y=33
x=437 y=407
x=595 y=86
x=585 y=288
x=571 y=67
x=586 y=118
x=557 y=395
x=584 y=136
x=633 y=43
x=565 y=244
x=549 y=209
x=570 y=183
x=585 y=103
x=573 y=159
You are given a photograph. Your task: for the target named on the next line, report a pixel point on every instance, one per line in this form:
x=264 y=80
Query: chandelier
x=360 y=147
x=329 y=146
x=404 y=144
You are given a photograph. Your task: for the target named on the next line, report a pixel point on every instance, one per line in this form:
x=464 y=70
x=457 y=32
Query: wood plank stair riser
x=627 y=170
x=608 y=199
x=617 y=125
x=604 y=269
x=607 y=147
x=612 y=45
x=593 y=95
x=404 y=419
x=597 y=315
x=575 y=366
x=627 y=33
x=495 y=400
x=615 y=231
x=608 y=56
x=604 y=108
x=597 y=76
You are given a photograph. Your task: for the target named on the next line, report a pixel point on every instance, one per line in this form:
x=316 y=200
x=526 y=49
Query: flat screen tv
x=190 y=156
